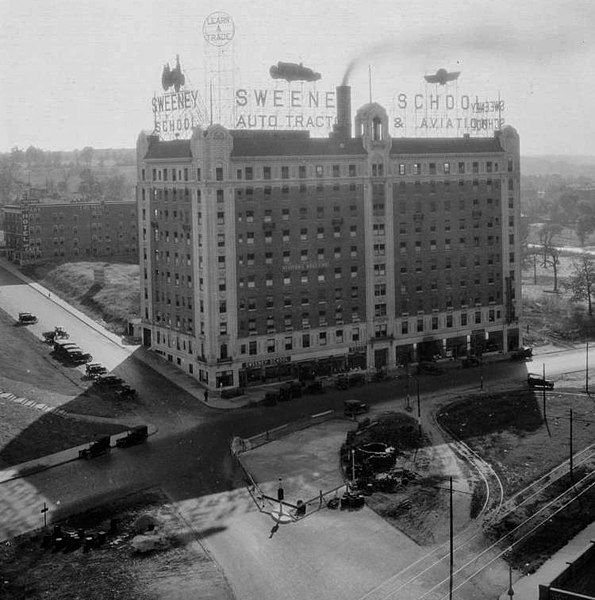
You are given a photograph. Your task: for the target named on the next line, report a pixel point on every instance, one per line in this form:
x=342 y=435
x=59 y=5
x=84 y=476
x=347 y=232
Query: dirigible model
x=442 y=76
x=293 y=72
x=173 y=77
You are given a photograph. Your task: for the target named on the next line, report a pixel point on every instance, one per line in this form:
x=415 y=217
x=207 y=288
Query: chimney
x=342 y=128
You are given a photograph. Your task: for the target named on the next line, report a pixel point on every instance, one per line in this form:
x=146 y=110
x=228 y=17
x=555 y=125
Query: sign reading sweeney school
x=179 y=110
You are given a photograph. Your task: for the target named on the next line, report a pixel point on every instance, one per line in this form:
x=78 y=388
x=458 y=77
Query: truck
x=351 y=408
x=535 y=380
x=97 y=448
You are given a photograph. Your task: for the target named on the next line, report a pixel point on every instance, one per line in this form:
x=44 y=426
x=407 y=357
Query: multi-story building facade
x=265 y=252
x=50 y=229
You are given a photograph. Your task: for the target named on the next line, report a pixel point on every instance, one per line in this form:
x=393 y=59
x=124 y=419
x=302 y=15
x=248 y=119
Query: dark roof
x=291 y=143
x=299 y=143
x=445 y=145
x=169 y=149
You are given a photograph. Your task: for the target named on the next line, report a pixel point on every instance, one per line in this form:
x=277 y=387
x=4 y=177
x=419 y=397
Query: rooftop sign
x=441 y=108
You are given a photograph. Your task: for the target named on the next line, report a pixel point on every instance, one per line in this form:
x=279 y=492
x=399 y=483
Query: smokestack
x=343 y=127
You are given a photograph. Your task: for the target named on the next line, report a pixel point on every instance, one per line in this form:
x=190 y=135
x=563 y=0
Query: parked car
x=49 y=336
x=61 y=347
x=271 y=398
x=285 y=392
x=95 y=369
x=315 y=387
x=109 y=381
x=357 y=379
x=137 y=435
x=428 y=367
x=342 y=382
x=352 y=408
x=98 y=447
x=535 y=380
x=26 y=318
x=125 y=392
x=470 y=361
x=60 y=333
x=78 y=357
x=521 y=354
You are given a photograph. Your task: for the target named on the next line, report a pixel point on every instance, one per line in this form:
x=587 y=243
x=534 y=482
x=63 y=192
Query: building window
x=248 y=172
x=284 y=172
x=266 y=172
x=219 y=173
x=302 y=171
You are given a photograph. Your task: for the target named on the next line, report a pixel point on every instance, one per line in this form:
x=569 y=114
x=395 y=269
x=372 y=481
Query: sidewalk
x=53 y=460
x=187 y=383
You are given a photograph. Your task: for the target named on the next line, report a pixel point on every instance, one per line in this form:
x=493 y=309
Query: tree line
x=95 y=173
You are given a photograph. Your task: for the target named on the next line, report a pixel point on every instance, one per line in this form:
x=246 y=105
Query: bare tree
x=551 y=253
x=584 y=227
x=581 y=283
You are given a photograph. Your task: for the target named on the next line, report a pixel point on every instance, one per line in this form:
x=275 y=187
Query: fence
x=286 y=429
x=240 y=445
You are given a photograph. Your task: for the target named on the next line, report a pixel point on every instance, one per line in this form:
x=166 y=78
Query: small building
x=577 y=582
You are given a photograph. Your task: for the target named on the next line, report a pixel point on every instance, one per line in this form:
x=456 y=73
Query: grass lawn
x=114 y=570
x=509 y=432
x=115 y=302
x=552 y=317
x=27 y=433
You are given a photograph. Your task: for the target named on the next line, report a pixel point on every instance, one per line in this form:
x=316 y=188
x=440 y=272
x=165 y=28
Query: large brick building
x=38 y=229
x=265 y=251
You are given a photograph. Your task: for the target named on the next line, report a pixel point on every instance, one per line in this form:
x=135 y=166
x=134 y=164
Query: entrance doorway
x=381 y=358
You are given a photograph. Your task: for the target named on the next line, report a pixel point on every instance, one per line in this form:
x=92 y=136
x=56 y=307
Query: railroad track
x=409 y=582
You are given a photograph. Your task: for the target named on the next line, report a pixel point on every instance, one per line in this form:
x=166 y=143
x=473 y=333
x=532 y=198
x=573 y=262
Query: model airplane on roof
x=173 y=77
x=442 y=76
x=293 y=72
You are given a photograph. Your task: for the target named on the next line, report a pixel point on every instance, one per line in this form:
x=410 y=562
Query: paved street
x=189 y=456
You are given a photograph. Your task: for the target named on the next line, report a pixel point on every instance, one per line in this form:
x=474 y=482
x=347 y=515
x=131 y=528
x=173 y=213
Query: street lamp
x=510 y=590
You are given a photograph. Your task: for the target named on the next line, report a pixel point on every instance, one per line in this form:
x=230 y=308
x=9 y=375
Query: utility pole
x=451 y=547
x=571 y=451
x=544 y=413
x=587 y=369
x=418 y=408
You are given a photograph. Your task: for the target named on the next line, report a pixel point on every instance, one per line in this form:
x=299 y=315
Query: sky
x=77 y=73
